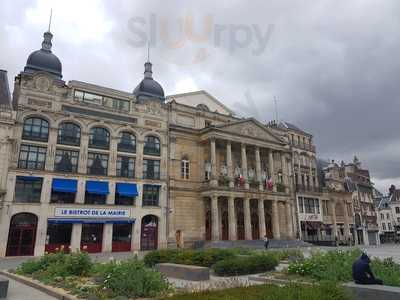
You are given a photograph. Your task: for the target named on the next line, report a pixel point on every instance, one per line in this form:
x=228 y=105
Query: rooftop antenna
x=276 y=109
x=51 y=15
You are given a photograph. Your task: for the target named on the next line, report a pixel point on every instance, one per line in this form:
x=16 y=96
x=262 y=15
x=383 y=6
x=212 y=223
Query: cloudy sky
x=333 y=66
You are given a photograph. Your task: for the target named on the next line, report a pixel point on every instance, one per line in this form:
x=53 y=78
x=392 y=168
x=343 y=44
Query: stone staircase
x=256 y=244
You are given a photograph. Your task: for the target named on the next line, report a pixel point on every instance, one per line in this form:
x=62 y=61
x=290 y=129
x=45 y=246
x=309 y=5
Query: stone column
x=111 y=196
x=288 y=220
x=334 y=227
x=51 y=149
x=232 y=219
x=285 y=177
x=76 y=237
x=275 y=220
x=247 y=219
x=244 y=165
x=81 y=191
x=107 y=238
x=139 y=158
x=346 y=222
x=261 y=218
x=214 y=177
x=214 y=218
x=83 y=155
x=271 y=168
x=258 y=168
x=311 y=174
x=229 y=163
x=112 y=160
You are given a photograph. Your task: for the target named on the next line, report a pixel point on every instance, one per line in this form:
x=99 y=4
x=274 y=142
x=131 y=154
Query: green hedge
x=204 y=258
x=245 y=265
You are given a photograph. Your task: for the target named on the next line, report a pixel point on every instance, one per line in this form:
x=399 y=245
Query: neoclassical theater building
x=101 y=170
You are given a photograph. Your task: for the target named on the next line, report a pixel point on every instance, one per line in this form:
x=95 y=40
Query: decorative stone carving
x=42 y=83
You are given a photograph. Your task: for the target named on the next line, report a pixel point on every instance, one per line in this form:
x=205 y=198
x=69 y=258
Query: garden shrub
x=131 y=278
x=204 y=258
x=59 y=264
x=245 y=265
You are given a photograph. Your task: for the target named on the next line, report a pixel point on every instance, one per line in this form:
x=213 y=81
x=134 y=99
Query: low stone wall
x=373 y=292
x=186 y=272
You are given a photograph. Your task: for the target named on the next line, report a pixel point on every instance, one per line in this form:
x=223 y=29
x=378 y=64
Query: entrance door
x=255 y=227
x=92 y=237
x=240 y=226
x=268 y=226
x=208 y=225
x=225 y=226
x=22 y=235
x=149 y=235
x=122 y=236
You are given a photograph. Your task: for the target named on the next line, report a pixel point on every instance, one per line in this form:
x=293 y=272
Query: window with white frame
x=185 y=169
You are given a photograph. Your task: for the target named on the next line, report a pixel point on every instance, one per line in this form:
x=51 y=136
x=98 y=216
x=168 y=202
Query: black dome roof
x=148 y=88
x=44 y=59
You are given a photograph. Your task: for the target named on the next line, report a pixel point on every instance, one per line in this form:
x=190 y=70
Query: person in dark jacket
x=362 y=273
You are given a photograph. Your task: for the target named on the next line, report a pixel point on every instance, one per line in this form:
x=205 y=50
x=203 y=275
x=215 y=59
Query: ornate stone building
x=83 y=166
x=229 y=177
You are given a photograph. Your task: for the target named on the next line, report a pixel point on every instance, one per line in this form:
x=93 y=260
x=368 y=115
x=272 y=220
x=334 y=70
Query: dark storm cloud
x=333 y=65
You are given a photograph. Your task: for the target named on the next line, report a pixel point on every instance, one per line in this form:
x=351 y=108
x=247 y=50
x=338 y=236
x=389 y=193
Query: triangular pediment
x=250 y=128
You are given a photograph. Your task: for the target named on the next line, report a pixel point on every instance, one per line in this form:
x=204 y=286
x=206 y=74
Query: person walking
x=266 y=241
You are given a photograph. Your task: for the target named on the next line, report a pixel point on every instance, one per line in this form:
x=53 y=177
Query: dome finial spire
x=51 y=15
x=47 y=36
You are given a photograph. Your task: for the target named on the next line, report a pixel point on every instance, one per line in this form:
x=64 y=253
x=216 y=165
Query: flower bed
x=337 y=266
x=324 y=291
x=78 y=275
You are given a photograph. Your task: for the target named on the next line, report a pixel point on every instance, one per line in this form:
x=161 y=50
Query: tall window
x=151 y=169
x=301 y=205
x=185 y=169
x=66 y=161
x=99 y=138
x=60 y=197
x=151 y=145
x=316 y=201
x=97 y=164
x=69 y=134
x=125 y=166
x=309 y=205
x=397 y=210
x=127 y=143
x=36 y=129
x=389 y=226
x=151 y=195
x=32 y=157
x=383 y=226
x=28 y=189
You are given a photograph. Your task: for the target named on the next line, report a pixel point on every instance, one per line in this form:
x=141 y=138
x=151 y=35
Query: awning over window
x=97 y=187
x=29 y=178
x=127 y=189
x=89 y=221
x=64 y=185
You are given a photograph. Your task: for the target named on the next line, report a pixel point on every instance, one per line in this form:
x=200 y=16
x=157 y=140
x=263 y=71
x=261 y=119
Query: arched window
x=69 y=134
x=127 y=143
x=151 y=145
x=99 y=138
x=36 y=129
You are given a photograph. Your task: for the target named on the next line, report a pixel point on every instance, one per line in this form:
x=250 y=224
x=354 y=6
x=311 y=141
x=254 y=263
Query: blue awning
x=97 y=187
x=127 y=189
x=89 y=221
x=29 y=178
x=64 y=185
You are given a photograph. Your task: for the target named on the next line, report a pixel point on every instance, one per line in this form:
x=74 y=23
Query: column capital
x=213 y=138
x=228 y=142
